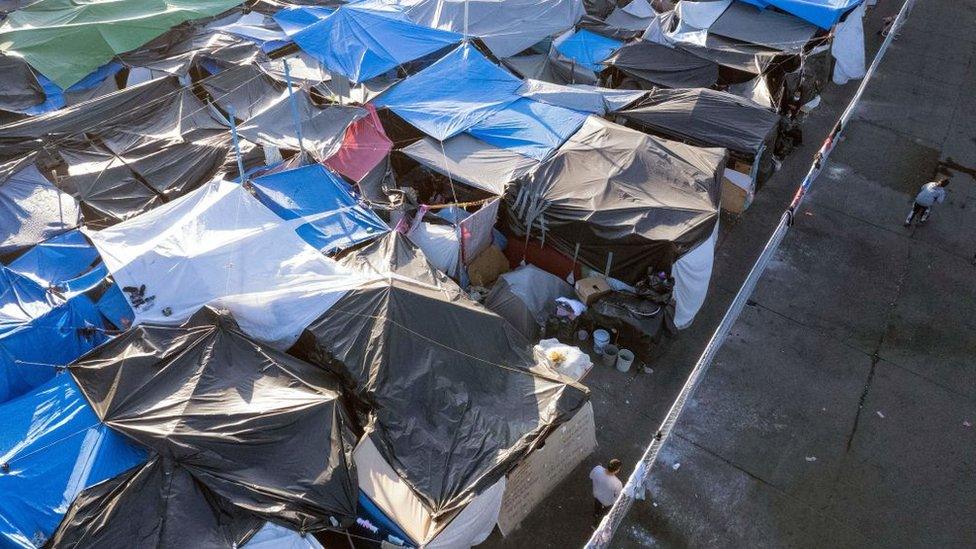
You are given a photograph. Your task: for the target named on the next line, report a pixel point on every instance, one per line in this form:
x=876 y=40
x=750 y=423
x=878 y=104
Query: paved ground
x=834 y=415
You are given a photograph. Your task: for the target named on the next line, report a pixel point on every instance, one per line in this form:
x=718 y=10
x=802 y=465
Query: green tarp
x=65 y=40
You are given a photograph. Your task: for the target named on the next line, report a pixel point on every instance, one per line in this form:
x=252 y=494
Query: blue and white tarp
x=361 y=43
x=453 y=94
x=57 y=260
x=338 y=220
x=529 y=128
x=293 y=19
x=587 y=49
x=823 y=13
x=52 y=447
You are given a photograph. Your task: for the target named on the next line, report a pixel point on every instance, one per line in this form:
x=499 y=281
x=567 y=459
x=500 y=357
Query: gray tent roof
x=612 y=189
x=660 y=65
x=524 y=297
x=766 y=27
x=706 y=117
x=471 y=161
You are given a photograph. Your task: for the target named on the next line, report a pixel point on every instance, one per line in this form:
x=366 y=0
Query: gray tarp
x=261 y=429
x=32 y=209
x=659 y=65
x=448 y=387
x=19 y=88
x=614 y=190
x=706 y=117
x=525 y=297
x=470 y=161
x=767 y=27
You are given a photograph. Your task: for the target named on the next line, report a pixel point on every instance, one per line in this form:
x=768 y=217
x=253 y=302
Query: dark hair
x=614 y=465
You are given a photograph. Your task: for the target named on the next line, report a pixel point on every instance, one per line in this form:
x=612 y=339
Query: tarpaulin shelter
x=338 y=219
x=580 y=97
x=506 y=27
x=823 y=13
x=613 y=190
x=259 y=428
x=322 y=128
x=52 y=446
x=708 y=118
x=651 y=64
x=19 y=88
x=360 y=43
x=364 y=147
x=525 y=297
x=470 y=161
x=585 y=48
x=65 y=40
x=768 y=28
x=450 y=405
x=453 y=94
x=32 y=209
x=530 y=128
x=219 y=245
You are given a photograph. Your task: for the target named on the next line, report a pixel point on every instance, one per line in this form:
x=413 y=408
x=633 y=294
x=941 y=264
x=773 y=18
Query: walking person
x=929 y=195
x=606 y=488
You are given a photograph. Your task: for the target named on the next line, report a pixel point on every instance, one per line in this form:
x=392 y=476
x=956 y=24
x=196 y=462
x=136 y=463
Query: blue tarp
x=453 y=94
x=115 y=307
x=313 y=190
x=58 y=259
x=529 y=128
x=52 y=446
x=54 y=95
x=32 y=352
x=385 y=525
x=588 y=49
x=360 y=43
x=21 y=300
x=293 y=19
x=823 y=13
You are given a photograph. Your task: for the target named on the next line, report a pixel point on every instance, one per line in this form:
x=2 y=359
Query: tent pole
x=237 y=145
x=606 y=271
x=294 y=109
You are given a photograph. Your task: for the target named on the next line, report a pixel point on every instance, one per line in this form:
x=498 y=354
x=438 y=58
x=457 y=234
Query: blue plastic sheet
x=295 y=18
x=31 y=353
x=385 y=525
x=58 y=259
x=115 y=308
x=453 y=94
x=52 y=446
x=54 y=95
x=823 y=13
x=360 y=43
x=588 y=49
x=311 y=191
x=21 y=300
x=529 y=128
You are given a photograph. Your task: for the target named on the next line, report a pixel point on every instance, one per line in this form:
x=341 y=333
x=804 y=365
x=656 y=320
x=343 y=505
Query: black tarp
x=19 y=88
x=705 y=117
x=156 y=505
x=614 y=190
x=658 y=65
x=449 y=389
x=255 y=426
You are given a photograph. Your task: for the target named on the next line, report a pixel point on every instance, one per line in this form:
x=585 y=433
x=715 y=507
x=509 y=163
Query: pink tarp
x=363 y=147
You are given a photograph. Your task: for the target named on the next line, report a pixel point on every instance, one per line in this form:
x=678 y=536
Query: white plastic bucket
x=610 y=355
x=600 y=340
x=624 y=359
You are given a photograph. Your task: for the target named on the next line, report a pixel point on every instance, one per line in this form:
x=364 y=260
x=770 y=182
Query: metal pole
x=294 y=109
x=237 y=144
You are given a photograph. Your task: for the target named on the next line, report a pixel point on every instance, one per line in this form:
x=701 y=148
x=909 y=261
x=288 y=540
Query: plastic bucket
x=624 y=359
x=610 y=355
x=600 y=340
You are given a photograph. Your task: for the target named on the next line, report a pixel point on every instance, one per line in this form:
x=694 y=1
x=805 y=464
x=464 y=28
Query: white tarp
x=701 y=15
x=469 y=527
x=579 y=97
x=272 y=536
x=692 y=273
x=471 y=161
x=218 y=245
x=756 y=90
x=848 y=47
x=440 y=244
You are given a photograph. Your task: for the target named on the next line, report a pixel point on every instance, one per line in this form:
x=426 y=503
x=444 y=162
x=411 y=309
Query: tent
x=652 y=65
x=219 y=245
x=506 y=27
x=32 y=209
x=525 y=297
x=629 y=200
x=470 y=161
x=768 y=28
x=453 y=94
x=65 y=41
x=823 y=13
x=339 y=220
x=257 y=427
x=450 y=405
x=580 y=97
x=585 y=48
x=707 y=118
x=360 y=43
x=52 y=446
x=530 y=128
x=364 y=147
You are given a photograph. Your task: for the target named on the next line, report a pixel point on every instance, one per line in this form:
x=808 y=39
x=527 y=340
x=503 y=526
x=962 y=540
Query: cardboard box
x=736 y=191
x=590 y=289
x=487 y=267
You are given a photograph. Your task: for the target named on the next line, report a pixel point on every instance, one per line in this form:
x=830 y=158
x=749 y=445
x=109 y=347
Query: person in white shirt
x=929 y=195
x=606 y=488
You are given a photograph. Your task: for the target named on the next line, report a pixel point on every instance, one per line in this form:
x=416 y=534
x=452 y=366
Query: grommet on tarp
x=5 y=467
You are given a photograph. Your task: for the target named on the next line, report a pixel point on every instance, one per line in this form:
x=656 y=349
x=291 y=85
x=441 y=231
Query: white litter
x=880 y=414
x=676 y=466
x=811 y=458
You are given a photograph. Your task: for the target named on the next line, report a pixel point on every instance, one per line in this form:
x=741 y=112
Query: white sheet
x=218 y=245
x=692 y=273
x=272 y=536
x=848 y=47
